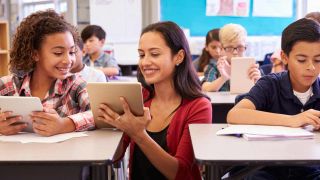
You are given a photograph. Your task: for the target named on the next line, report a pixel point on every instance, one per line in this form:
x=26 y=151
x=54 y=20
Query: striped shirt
x=69 y=97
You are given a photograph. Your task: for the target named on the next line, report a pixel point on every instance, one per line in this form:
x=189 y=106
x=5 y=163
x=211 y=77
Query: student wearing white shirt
x=89 y=74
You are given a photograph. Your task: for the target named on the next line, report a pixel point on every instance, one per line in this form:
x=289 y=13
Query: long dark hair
x=205 y=56
x=186 y=81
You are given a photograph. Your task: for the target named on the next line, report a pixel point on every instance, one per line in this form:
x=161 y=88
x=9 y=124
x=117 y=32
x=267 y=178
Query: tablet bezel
x=21 y=105
x=239 y=80
x=110 y=93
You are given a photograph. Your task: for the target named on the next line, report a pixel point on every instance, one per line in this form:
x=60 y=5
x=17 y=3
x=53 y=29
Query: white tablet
x=23 y=106
x=239 y=80
x=110 y=93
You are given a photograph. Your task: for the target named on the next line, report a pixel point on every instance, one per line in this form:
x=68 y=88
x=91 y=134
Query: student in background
x=210 y=53
x=160 y=143
x=276 y=65
x=290 y=98
x=314 y=16
x=89 y=74
x=233 y=39
x=94 y=38
x=43 y=53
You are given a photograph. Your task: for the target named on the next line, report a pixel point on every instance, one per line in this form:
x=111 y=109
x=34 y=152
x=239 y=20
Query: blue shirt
x=212 y=73
x=273 y=93
x=104 y=60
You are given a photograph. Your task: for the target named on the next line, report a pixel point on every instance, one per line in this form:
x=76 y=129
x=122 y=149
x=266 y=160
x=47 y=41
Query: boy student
x=94 y=38
x=233 y=39
x=42 y=54
x=290 y=98
x=89 y=74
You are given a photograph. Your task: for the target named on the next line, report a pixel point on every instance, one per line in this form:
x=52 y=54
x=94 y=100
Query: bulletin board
x=191 y=14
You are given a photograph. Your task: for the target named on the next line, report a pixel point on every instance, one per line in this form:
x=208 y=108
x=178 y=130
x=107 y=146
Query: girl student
x=41 y=57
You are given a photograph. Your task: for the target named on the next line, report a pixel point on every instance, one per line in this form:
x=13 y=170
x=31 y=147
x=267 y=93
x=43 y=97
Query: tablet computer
x=23 y=106
x=239 y=80
x=110 y=93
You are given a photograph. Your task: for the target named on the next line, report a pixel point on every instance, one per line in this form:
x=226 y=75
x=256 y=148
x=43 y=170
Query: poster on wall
x=228 y=8
x=272 y=8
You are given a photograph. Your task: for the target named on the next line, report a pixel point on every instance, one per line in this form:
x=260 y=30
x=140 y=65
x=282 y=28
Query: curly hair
x=29 y=37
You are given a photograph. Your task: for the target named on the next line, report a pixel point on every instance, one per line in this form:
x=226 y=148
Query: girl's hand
x=254 y=72
x=224 y=67
x=7 y=126
x=309 y=117
x=134 y=126
x=50 y=123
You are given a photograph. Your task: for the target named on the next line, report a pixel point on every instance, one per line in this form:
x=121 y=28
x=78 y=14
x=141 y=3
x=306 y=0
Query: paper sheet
x=264 y=130
x=35 y=138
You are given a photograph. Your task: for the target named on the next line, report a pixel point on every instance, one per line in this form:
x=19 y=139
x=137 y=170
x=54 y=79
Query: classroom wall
x=191 y=14
x=264 y=32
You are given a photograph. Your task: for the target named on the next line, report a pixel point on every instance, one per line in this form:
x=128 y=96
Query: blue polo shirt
x=274 y=93
x=104 y=60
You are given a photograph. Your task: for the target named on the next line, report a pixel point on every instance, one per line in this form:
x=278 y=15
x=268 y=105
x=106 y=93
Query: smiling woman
x=160 y=142
x=42 y=55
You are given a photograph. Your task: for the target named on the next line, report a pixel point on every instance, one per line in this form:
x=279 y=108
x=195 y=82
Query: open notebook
x=259 y=132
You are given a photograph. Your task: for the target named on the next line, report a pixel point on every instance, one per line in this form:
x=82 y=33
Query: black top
x=141 y=166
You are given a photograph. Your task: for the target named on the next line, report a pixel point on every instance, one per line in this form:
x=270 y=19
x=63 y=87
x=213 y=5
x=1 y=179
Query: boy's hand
x=309 y=117
x=224 y=67
x=254 y=72
x=50 y=123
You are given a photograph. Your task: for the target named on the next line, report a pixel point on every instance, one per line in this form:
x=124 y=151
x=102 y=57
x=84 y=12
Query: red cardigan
x=178 y=137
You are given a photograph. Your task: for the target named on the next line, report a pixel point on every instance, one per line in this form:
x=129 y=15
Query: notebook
x=239 y=80
x=260 y=132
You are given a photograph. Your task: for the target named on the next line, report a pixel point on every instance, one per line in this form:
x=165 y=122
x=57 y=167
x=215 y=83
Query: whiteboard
x=121 y=19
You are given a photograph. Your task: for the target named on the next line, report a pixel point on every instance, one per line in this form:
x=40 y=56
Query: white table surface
x=221 y=97
x=212 y=149
x=99 y=146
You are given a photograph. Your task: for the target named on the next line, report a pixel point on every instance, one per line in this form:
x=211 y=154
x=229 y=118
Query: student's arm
x=215 y=85
x=245 y=113
x=110 y=66
x=211 y=81
x=110 y=71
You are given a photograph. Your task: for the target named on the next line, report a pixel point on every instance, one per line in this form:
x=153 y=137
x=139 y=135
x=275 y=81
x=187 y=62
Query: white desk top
x=100 y=145
x=212 y=149
x=221 y=97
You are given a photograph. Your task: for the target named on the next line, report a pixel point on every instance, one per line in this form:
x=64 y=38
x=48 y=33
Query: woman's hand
x=224 y=67
x=7 y=126
x=254 y=72
x=50 y=123
x=134 y=126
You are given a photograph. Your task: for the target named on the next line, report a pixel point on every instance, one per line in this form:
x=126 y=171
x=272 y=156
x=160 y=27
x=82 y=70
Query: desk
x=214 y=151
x=63 y=160
x=221 y=102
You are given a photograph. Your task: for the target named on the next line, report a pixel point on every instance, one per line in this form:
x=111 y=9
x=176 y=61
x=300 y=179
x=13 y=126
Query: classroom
x=159 y=89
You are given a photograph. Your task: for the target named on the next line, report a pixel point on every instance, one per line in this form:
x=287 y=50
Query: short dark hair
x=93 y=30
x=186 y=81
x=301 y=30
